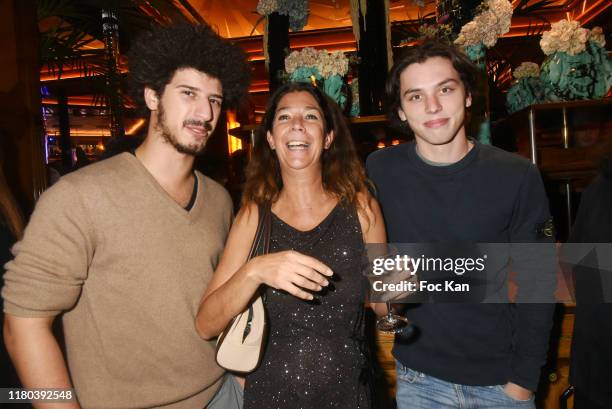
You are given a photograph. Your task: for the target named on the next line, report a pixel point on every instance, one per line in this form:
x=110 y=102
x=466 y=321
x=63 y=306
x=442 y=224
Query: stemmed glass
x=392 y=323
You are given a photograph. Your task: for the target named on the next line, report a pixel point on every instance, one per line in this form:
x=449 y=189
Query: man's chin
x=438 y=139
x=193 y=150
x=190 y=150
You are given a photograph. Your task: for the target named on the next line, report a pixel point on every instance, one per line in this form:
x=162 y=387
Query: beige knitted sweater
x=128 y=266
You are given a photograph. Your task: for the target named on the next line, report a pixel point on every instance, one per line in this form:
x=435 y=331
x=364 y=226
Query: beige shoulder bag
x=240 y=346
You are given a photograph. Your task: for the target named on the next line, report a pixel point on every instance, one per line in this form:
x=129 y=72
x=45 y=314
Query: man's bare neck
x=444 y=154
x=171 y=169
x=163 y=161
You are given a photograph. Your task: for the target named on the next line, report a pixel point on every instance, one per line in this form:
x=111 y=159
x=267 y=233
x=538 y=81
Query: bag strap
x=262 y=234
x=264 y=226
x=267 y=226
x=266 y=209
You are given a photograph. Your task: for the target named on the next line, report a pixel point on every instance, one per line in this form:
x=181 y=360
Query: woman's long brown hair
x=343 y=173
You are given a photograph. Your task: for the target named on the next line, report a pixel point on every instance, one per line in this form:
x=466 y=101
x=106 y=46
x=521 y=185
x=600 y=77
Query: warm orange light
x=380 y=145
x=68 y=72
x=591 y=11
x=233 y=143
x=87 y=100
x=83 y=132
x=134 y=128
x=100 y=146
x=395 y=142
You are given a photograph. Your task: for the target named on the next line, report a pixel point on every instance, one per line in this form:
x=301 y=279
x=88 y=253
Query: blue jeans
x=415 y=390
x=229 y=396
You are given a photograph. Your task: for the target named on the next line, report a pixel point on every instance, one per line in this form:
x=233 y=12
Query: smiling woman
x=305 y=167
x=341 y=171
x=298 y=132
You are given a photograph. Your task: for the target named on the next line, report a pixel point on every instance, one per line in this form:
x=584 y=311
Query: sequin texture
x=313 y=359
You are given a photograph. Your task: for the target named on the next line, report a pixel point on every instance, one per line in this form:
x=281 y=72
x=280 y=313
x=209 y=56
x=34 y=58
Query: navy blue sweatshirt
x=489 y=196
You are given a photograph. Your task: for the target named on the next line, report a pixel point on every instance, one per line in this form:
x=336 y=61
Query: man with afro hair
x=123 y=249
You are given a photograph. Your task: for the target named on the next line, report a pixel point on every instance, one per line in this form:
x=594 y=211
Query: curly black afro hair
x=157 y=54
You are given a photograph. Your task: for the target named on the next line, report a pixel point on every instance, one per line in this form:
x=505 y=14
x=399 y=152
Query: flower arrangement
x=297 y=10
x=528 y=88
x=492 y=22
x=327 y=64
x=319 y=66
x=565 y=36
x=526 y=69
x=597 y=36
x=577 y=65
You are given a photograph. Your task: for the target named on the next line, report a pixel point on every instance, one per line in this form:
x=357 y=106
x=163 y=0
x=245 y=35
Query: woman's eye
x=446 y=90
x=312 y=116
x=415 y=97
x=282 y=117
x=189 y=93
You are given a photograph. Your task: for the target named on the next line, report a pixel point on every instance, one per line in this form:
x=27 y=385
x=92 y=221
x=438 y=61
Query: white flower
x=487 y=26
x=502 y=10
x=327 y=64
x=332 y=64
x=469 y=35
x=309 y=57
x=566 y=36
x=597 y=36
x=526 y=69
x=292 y=61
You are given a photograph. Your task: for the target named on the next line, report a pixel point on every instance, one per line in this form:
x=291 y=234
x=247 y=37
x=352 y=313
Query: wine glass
x=392 y=323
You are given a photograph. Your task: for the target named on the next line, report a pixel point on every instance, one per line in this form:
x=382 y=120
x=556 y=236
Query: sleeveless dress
x=315 y=356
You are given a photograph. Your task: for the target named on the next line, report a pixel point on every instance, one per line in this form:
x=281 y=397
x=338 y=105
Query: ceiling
x=238 y=18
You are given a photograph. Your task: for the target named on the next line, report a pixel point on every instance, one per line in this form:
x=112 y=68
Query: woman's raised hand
x=290 y=271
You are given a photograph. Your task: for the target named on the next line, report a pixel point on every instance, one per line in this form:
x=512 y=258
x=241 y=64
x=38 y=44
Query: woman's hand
x=290 y=271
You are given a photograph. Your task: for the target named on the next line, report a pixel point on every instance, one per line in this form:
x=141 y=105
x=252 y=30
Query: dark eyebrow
x=189 y=87
x=437 y=85
x=307 y=107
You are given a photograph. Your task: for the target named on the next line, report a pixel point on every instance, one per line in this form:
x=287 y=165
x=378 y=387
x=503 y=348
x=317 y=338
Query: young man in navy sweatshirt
x=446 y=187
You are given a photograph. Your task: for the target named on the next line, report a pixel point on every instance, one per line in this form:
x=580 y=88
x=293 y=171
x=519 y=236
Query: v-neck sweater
x=128 y=266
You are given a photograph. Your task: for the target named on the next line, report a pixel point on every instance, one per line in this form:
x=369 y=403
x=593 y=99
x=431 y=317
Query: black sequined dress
x=314 y=357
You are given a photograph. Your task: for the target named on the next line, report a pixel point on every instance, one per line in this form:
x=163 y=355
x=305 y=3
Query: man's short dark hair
x=159 y=53
x=468 y=73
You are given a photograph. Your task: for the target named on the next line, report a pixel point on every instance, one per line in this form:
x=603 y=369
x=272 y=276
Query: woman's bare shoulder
x=247 y=215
